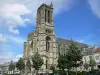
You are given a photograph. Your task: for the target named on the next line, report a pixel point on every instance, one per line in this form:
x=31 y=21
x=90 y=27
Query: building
x=94 y=53
x=44 y=41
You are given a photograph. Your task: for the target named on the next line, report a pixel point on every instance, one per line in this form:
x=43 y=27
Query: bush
x=72 y=73
x=60 y=72
x=81 y=73
x=12 y=74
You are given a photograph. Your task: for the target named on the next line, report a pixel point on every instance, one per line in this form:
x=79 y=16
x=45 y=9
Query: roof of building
x=85 y=48
x=96 y=50
x=67 y=42
x=88 y=51
x=48 y=6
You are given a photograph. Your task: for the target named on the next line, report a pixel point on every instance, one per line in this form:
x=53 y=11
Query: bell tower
x=45 y=14
x=46 y=35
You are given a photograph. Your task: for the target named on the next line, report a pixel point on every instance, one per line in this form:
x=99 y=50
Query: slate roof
x=86 y=51
x=67 y=42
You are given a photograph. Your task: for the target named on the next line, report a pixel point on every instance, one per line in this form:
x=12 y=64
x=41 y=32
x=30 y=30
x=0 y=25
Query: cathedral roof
x=67 y=42
x=85 y=48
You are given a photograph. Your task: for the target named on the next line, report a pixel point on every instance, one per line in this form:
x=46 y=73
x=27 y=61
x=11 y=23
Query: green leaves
x=28 y=64
x=72 y=57
x=11 y=66
x=92 y=63
x=37 y=61
x=20 y=64
x=86 y=66
x=52 y=67
x=61 y=62
x=74 y=54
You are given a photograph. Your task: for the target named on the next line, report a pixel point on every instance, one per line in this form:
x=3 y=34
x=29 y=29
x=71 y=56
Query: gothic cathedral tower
x=46 y=35
x=43 y=39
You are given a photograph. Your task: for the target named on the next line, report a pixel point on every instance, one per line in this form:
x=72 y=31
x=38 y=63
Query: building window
x=46 y=64
x=31 y=45
x=48 y=16
x=39 y=17
x=45 y=14
x=48 y=43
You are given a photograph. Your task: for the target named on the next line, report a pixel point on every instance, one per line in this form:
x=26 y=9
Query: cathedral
x=44 y=41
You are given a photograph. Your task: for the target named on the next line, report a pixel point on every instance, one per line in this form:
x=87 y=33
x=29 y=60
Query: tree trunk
x=20 y=72
x=76 y=70
x=68 y=72
x=13 y=72
x=37 y=72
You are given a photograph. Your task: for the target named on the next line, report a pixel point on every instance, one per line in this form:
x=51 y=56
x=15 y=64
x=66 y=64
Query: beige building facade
x=43 y=40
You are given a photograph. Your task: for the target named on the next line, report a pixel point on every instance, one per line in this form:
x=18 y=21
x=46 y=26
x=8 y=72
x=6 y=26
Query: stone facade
x=44 y=41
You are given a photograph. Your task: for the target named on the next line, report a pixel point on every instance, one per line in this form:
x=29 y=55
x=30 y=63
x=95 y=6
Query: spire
x=51 y=5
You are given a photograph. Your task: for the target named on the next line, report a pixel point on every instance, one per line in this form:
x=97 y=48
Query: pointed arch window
x=48 y=16
x=45 y=14
x=46 y=64
x=31 y=45
x=48 y=43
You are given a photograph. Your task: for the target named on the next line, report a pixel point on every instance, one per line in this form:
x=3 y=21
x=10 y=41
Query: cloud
x=7 y=51
x=15 y=31
x=18 y=57
x=15 y=14
x=10 y=15
x=9 y=56
x=16 y=40
x=5 y=42
x=81 y=41
x=2 y=39
x=11 y=12
x=95 y=6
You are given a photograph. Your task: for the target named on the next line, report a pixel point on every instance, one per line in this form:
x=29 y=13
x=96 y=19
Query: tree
x=12 y=66
x=20 y=65
x=92 y=63
x=68 y=62
x=61 y=62
x=52 y=67
x=86 y=66
x=73 y=56
x=37 y=61
x=28 y=64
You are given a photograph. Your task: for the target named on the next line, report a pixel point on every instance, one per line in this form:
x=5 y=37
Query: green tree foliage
x=52 y=67
x=20 y=64
x=74 y=56
x=71 y=58
x=61 y=62
x=28 y=64
x=37 y=61
x=92 y=63
x=11 y=66
x=86 y=66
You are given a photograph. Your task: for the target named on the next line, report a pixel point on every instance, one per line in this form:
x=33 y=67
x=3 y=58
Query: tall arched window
x=48 y=16
x=31 y=45
x=46 y=64
x=45 y=14
x=47 y=43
